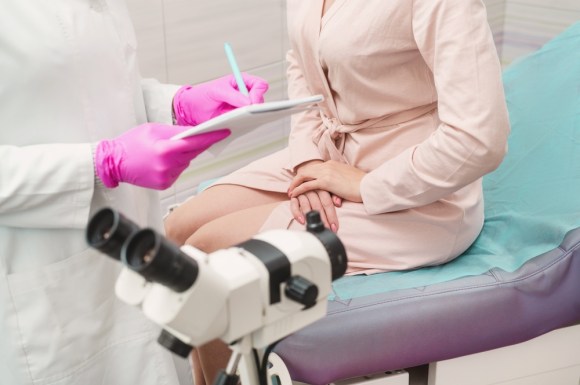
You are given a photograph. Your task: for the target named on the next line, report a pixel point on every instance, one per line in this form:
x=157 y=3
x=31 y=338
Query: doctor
x=74 y=137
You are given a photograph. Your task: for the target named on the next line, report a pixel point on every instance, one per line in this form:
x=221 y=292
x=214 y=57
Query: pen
x=236 y=69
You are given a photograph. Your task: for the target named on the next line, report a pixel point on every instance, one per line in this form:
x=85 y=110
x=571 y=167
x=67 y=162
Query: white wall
x=181 y=41
x=529 y=24
x=496 y=19
x=520 y=27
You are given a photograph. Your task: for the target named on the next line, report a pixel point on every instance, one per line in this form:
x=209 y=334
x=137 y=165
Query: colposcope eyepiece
x=159 y=260
x=334 y=247
x=107 y=231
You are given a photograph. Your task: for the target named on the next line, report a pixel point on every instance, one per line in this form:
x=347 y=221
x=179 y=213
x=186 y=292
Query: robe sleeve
x=454 y=38
x=304 y=124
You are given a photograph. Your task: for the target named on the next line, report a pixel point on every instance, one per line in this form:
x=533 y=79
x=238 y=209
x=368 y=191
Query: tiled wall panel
x=149 y=23
x=196 y=32
x=529 y=24
x=496 y=20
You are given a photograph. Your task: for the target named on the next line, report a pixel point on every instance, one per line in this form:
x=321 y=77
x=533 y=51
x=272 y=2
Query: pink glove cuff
x=108 y=162
x=182 y=117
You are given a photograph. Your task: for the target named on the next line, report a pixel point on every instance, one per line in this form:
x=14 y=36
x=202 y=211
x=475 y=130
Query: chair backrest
x=533 y=199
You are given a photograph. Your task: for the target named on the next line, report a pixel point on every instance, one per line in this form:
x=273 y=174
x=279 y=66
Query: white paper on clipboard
x=242 y=120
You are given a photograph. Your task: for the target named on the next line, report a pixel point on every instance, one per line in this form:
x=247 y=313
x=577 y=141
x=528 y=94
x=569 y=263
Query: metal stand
x=248 y=360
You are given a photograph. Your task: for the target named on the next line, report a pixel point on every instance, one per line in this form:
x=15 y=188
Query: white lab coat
x=68 y=78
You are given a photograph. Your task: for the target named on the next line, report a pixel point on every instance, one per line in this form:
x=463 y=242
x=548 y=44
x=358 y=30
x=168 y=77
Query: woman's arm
x=304 y=153
x=454 y=38
x=302 y=148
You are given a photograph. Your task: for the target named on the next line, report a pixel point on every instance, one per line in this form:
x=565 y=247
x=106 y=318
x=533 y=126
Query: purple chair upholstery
x=405 y=328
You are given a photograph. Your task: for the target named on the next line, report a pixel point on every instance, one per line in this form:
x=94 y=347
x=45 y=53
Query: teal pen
x=236 y=70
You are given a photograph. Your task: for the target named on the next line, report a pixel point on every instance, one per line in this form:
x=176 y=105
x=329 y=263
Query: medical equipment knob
x=313 y=222
x=174 y=344
x=301 y=290
x=107 y=231
x=159 y=260
x=334 y=247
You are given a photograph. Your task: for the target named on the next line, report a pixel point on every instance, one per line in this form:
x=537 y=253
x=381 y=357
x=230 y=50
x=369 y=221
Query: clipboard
x=244 y=119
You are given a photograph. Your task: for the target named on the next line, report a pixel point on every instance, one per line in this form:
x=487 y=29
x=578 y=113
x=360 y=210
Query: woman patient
x=414 y=115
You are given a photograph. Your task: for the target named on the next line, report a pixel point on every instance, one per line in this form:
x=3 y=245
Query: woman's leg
x=198 y=378
x=232 y=228
x=223 y=232
x=213 y=203
x=212 y=357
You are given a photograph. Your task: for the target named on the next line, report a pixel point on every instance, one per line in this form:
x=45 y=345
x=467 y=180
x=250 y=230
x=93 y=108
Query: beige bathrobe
x=414 y=97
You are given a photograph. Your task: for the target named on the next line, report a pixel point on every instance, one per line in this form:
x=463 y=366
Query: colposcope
x=250 y=295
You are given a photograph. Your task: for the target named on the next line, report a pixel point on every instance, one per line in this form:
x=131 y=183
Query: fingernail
x=301 y=220
x=333 y=227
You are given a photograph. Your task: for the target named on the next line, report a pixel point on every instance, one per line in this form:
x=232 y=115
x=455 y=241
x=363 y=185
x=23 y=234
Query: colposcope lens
x=334 y=247
x=107 y=231
x=158 y=260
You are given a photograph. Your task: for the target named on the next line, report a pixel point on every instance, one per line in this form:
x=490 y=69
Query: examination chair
x=506 y=311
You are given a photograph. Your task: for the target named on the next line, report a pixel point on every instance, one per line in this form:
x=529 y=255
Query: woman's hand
x=337 y=178
x=319 y=200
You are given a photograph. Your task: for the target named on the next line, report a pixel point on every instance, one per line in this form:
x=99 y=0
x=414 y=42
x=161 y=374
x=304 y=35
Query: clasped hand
x=322 y=186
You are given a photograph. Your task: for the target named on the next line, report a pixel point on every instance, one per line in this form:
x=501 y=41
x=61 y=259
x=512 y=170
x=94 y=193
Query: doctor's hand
x=337 y=178
x=146 y=156
x=193 y=105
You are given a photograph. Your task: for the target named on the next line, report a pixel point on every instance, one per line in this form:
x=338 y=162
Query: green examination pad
x=533 y=199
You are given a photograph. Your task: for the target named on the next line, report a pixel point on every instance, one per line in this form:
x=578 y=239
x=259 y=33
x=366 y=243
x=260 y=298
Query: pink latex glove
x=146 y=156
x=193 y=105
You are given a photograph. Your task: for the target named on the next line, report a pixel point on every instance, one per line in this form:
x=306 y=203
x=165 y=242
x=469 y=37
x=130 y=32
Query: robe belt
x=330 y=137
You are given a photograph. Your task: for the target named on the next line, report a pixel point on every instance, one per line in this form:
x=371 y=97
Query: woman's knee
x=179 y=226
x=189 y=216
x=230 y=229
x=208 y=239
x=244 y=207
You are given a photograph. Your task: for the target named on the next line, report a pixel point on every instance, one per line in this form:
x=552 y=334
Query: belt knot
x=330 y=138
